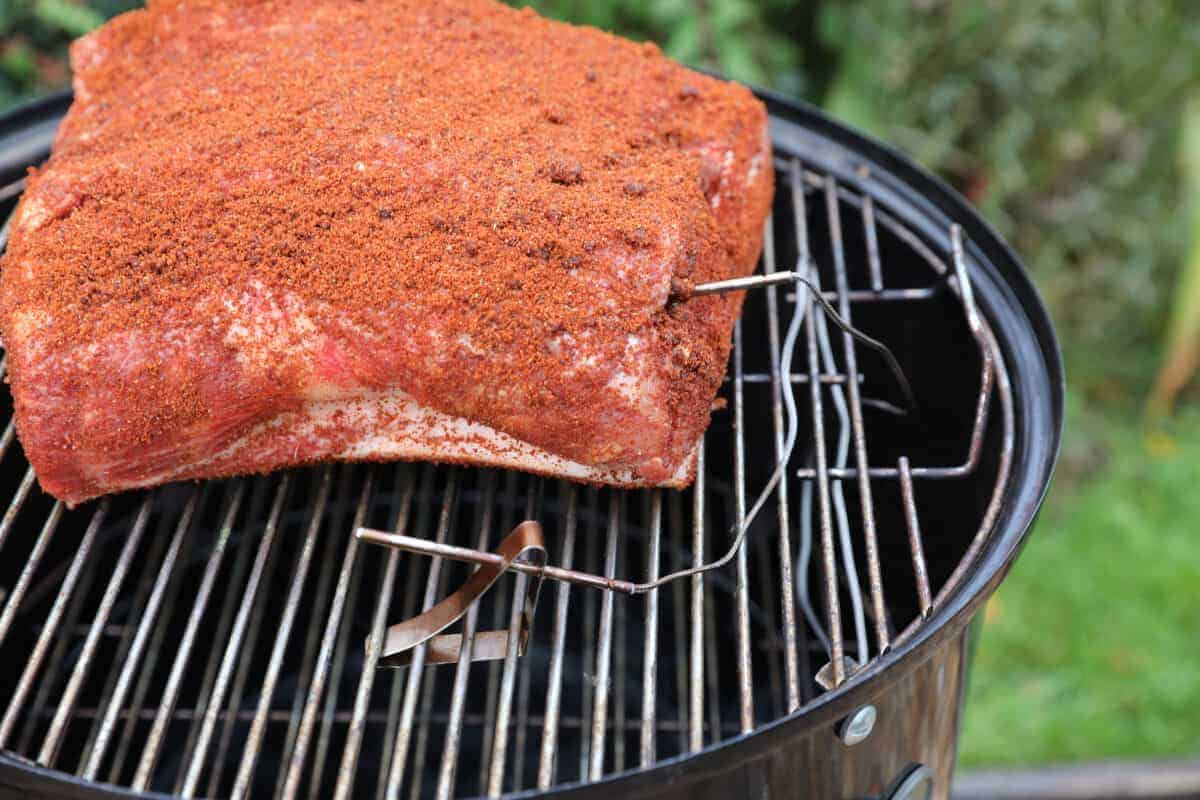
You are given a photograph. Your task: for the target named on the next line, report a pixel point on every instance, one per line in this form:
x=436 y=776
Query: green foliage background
x=1061 y=120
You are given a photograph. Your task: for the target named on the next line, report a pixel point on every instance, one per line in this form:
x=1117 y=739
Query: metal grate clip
x=522 y=550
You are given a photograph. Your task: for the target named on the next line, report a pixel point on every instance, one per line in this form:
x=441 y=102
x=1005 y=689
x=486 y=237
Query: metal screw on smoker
x=857 y=726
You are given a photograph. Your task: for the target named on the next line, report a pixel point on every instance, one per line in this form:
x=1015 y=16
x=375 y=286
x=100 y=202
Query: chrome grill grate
x=207 y=640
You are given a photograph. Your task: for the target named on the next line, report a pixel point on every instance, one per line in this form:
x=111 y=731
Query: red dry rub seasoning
x=255 y=203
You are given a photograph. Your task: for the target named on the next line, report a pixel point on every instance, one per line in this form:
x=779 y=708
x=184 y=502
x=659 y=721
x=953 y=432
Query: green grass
x=1091 y=648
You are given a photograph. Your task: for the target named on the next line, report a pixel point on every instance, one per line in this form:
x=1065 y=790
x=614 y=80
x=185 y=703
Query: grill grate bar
x=150 y=755
x=787 y=599
x=54 y=735
x=892 y=473
x=254 y=738
x=866 y=502
x=986 y=348
x=924 y=595
x=841 y=516
x=523 y=689
x=8 y=192
x=742 y=591
x=224 y=628
x=796 y=378
x=237 y=695
x=994 y=372
x=329 y=715
x=493 y=682
x=152 y=596
x=696 y=673
x=53 y=618
x=346 y=595
x=387 y=582
x=416 y=669
x=647 y=749
x=507 y=685
x=549 y=748
x=679 y=625
x=885 y=295
x=10 y=430
x=532 y=500
x=421 y=746
x=604 y=646
x=233 y=646
x=712 y=671
x=30 y=567
x=345 y=716
x=58 y=657
x=871 y=235
x=590 y=620
x=620 y=636
x=322 y=600
x=14 y=507
x=829 y=563
x=392 y=721
x=462 y=671
x=412 y=594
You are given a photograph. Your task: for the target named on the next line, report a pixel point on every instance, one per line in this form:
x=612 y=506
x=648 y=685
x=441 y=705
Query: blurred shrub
x=1181 y=359
x=755 y=41
x=1061 y=119
x=34 y=35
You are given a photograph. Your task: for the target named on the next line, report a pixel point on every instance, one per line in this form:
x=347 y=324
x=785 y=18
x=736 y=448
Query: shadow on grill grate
x=209 y=640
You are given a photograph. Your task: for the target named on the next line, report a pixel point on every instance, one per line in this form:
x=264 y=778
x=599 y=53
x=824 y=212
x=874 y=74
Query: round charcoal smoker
x=223 y=639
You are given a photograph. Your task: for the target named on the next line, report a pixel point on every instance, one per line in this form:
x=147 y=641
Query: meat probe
x=523 y=549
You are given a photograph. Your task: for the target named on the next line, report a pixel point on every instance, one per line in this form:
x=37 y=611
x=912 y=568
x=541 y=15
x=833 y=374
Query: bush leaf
x=1182 y=344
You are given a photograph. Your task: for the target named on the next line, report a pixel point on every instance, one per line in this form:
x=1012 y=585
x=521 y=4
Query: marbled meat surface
x=278 y=233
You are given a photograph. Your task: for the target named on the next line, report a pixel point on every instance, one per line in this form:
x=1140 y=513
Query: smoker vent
x=208 y=640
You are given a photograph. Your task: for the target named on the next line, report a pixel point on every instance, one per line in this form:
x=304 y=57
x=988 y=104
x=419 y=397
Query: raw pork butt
x=278 y=233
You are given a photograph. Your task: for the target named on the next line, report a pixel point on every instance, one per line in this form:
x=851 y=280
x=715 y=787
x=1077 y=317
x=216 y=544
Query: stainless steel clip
x=523 y=549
